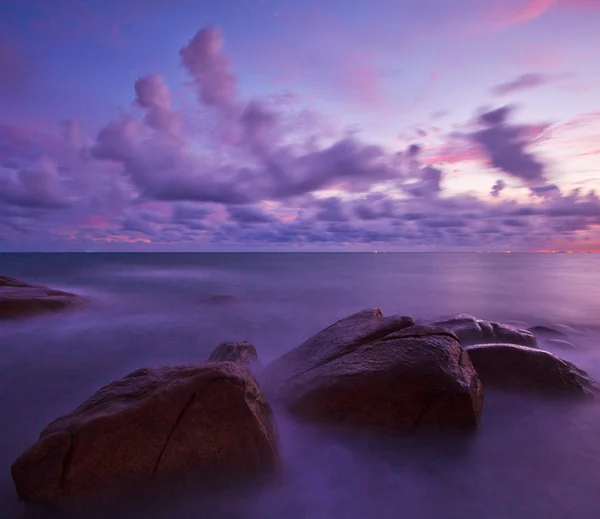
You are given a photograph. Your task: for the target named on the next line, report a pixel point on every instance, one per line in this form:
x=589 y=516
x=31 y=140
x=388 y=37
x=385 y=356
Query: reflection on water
x=530 y=459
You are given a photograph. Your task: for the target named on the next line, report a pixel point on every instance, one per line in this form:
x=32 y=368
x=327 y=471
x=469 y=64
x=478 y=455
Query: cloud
x=206 y=62
x=147 y=177
x=506 y=144
x=522 y=83
x=249 y=215
x=330 y=210
x=153 y=94
x=498 y=187
x=37 y=187
x=502 y=14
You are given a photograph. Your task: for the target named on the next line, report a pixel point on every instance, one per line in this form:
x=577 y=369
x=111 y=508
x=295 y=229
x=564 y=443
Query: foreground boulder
x=383 y=373
x=211 y=418
x=19 y=299
x=471 y=330
x=508 y=366
x=242 y=352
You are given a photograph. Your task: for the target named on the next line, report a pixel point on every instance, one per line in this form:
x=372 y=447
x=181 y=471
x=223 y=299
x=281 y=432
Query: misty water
x=531 y=458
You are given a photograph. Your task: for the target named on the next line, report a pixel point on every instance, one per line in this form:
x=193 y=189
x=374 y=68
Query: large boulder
x=509 y=366
x=383 y=373
x=471 y=330
x=242 y=352
x=19 y=299
x=210 y=418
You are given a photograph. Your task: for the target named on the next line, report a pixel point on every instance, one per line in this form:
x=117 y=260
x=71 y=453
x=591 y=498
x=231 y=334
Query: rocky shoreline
x=216 y=418
x=20 y=300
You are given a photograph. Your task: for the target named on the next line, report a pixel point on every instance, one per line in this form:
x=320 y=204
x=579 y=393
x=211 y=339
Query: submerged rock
x=243 y=353
x=471 y=330
x=546 y=331
x=383 y=373
x=19 y=299
x=211 y=418
x=220 y=299
x=509 y=366
x=559 y=343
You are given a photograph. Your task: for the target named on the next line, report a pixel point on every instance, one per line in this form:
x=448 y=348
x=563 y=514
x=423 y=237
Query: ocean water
x=531 y=458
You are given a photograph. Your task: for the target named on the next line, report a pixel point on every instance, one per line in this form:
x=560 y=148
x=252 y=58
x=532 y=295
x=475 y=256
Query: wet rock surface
x=509 y=366
x=471 y=330
x=241 y=352
x=19 y=299
x=379 y=372
x=211 y=418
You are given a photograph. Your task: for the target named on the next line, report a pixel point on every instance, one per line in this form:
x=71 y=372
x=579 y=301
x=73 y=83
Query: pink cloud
x=206 y=62
x=153 y=94
x=453 y=153
x=501 y=14
x=365 y=81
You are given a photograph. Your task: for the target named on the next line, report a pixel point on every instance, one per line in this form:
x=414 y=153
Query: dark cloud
x=498 y=187
x=374 y=207
x=428 y=183
x=506 y=146
x=331 y=210
x=183 y=212
x=249 y=215
x=38 y=186
x=521 y=83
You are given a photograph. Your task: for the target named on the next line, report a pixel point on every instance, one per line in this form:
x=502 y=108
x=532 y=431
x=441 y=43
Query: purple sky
x=391 y=125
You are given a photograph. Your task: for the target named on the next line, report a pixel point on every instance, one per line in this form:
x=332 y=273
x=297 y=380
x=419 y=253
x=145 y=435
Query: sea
x=531 y=458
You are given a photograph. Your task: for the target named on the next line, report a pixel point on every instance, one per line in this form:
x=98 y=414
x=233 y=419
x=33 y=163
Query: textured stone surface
x=211 y=418
x=471 y=330
x=509 y=366
x=381 y=373
x=19 y=299
x=243 y=353
x=334 y=341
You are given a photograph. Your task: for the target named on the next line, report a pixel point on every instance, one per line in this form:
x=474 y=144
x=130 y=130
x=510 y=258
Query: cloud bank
x=256 y=176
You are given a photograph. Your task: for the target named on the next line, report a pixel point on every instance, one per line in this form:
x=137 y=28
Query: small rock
x=509 y=366
x=19 y=299
x=220 y=299
x=559 y=343
x=243 y=353
x=546 y=331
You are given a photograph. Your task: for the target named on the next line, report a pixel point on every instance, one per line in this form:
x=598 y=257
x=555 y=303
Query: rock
x=220 y=299
x=210 y=418
x=509 y=366
x=243 y=353
x=471 y=330
x=568 y=330
x=382 y=373
x=559 y=343
x=341 y=337
x=19 y=299
x=546 y=331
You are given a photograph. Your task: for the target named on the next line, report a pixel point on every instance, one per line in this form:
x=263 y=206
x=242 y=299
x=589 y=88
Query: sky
x=288 y=125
